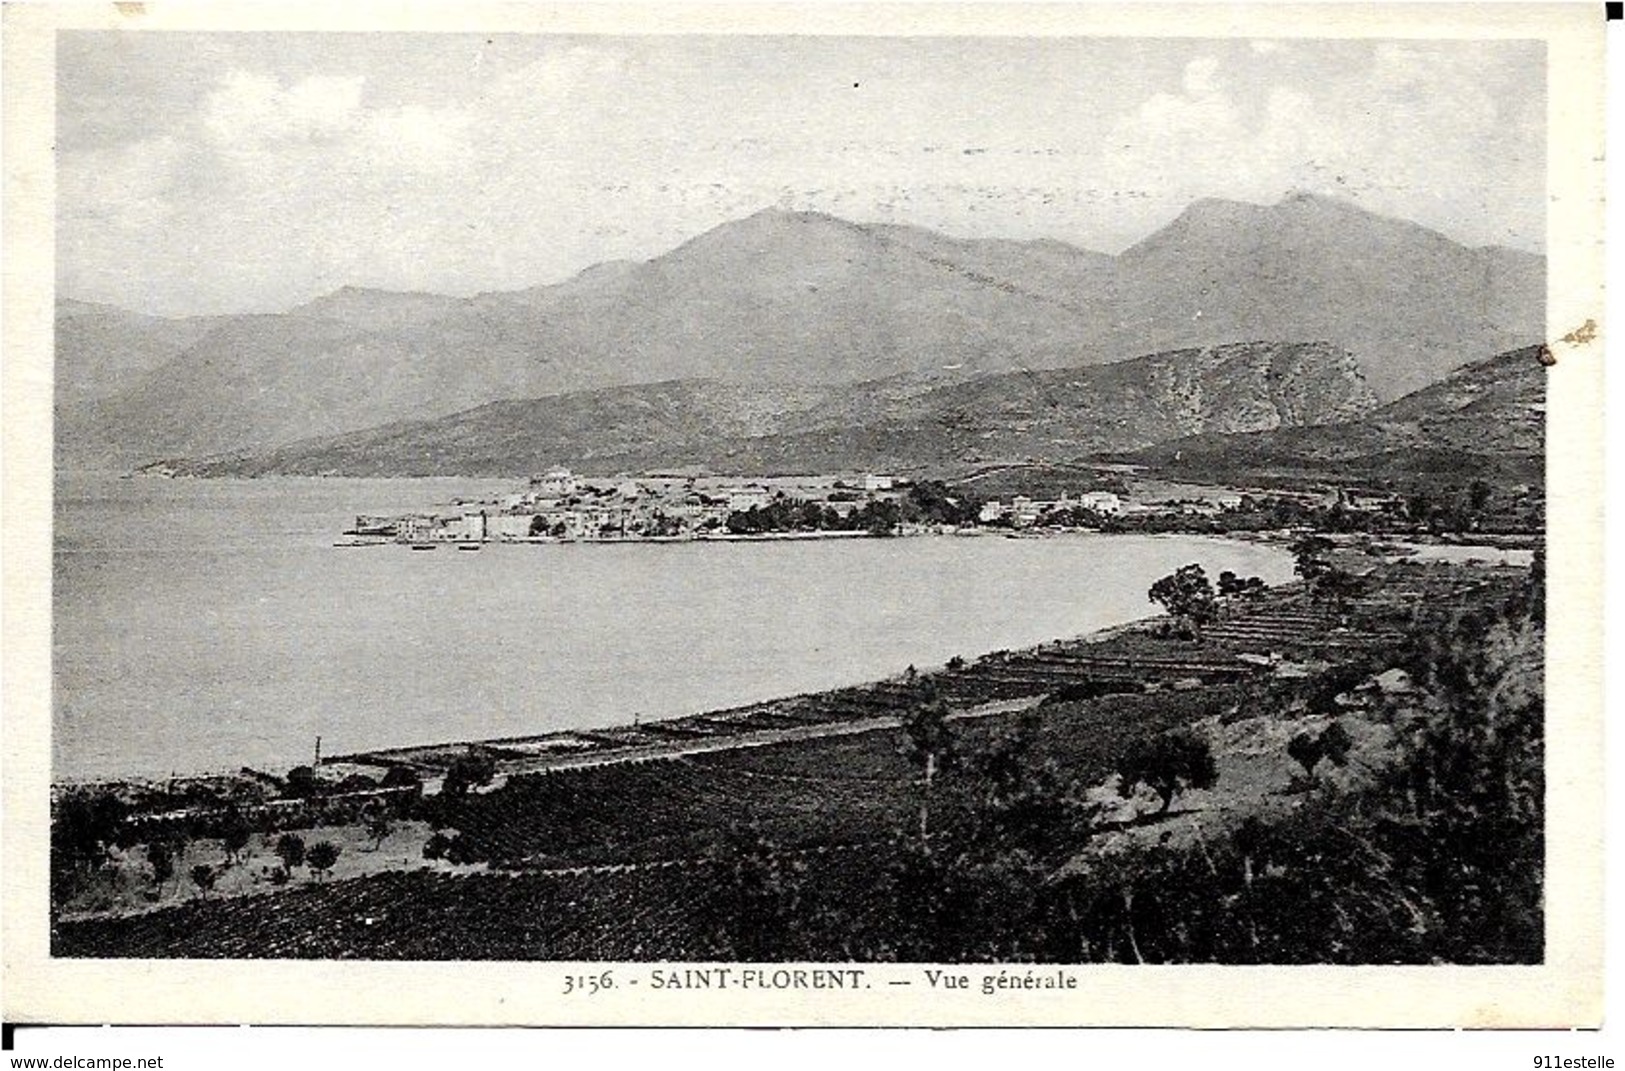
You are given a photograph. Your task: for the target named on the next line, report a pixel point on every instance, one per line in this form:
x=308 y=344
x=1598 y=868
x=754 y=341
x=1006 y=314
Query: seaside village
x=561 y=506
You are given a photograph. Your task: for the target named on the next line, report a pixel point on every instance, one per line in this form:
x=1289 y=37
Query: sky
x=213 y=173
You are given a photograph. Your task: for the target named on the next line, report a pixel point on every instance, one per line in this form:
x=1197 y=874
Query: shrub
x=437 y=846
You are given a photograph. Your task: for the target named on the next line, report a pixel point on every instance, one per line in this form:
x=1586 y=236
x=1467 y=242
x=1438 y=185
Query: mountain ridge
x=1486 y=419
x=786 y=297
x=904 y=423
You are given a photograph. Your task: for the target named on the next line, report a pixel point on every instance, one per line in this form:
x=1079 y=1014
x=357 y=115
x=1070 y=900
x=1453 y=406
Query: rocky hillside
x=805 y=299
x=902 y=423
x=1486 y=420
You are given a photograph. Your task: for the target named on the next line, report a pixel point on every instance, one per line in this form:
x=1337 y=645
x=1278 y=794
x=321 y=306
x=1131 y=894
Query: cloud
x=254 y=110
x=474 y=168
x=1413 y=131
x=1195 y=132
x=276 y=186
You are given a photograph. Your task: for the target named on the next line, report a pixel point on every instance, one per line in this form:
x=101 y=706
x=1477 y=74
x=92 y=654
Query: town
x=560 y=506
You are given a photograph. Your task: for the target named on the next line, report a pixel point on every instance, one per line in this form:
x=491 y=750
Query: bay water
x=204 y=625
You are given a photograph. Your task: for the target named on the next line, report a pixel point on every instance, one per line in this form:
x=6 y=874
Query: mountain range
x=787 y=312
x=903 y=424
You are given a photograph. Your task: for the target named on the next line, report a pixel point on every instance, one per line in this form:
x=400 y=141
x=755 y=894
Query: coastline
x=555 y=748
x=622 y=753
x=1271 y=652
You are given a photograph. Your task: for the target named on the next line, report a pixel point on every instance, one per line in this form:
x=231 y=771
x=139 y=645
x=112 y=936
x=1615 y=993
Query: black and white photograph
x=812 y=513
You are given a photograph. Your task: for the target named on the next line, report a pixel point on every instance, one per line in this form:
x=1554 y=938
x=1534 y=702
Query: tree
x=438 y=846
x=233 y=834
x=1167 y=764
x=880 y=517
x=321 y=857
x=1026 y=803
x=1232 y=586
x=931 y=747
x=203 y=876
x=1333 y=743
x=1309 y=556
x=162 y=861
x=1307 y=750
x=931 y=502
x=406 y=787
x=1336 y=742
x=1336 y=586
x=401 y=777
x=356 y=782
x=467 y=771
x=290 y=848
x=301 y=783
x=1187 y=594
x=379 y=827
x=85 y=825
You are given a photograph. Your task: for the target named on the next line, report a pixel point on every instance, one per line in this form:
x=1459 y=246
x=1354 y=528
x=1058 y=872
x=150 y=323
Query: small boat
x=469 y=546
x=361 y=543
x=423 y=546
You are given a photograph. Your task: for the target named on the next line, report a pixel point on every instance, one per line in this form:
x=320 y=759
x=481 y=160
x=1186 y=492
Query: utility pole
x=318 y=761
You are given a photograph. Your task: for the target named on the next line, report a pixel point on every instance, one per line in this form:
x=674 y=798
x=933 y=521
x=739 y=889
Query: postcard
x=803 y=515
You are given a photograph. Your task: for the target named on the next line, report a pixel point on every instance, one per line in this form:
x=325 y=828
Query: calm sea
x=207 y=625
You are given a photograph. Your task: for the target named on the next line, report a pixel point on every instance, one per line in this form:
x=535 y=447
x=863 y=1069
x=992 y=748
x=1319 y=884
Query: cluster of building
x=1024 y=512
x=559 y=505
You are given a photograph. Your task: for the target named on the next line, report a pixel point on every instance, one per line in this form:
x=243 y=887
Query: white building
x=875 y=482
x=418 y=527
x=508 y=525
x=557 y=483
x=1101 y=502
x=744 y=498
